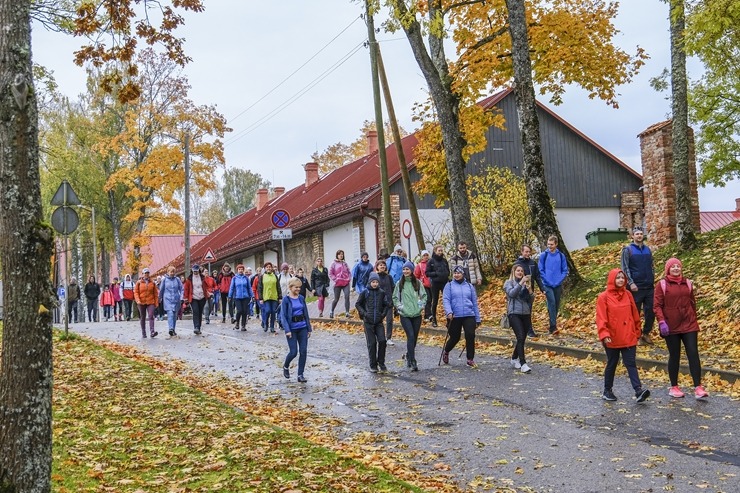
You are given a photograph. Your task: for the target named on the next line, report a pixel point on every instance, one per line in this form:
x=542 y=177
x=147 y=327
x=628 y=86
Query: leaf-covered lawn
x=123 y=426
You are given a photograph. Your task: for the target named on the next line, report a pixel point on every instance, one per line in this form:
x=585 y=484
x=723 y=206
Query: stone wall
x=632 y=210
x=658 y=183
x=395 y=219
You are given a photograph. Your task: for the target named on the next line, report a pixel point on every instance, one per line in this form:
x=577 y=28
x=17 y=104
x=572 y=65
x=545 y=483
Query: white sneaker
x=390 y=343
x=515 y=364
x=525 y=368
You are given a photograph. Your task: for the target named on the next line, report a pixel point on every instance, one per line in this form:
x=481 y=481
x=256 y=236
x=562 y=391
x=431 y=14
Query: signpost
x=406 y=232
x=208 y=258
x=65 y=220
x=280 y=221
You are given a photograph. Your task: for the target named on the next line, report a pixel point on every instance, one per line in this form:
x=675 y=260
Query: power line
x=296 y=70
x=295 y=96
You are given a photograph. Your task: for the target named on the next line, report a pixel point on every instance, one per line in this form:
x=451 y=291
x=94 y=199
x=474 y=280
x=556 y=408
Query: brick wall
x=658 y=183
x=632 y=210
x=395 y=219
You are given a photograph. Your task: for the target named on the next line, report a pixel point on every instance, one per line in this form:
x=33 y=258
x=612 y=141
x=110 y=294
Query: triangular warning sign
x=65 y=195
x=209 y=256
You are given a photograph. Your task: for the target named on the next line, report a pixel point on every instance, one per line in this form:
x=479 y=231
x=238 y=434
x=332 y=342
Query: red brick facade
x=658 y=185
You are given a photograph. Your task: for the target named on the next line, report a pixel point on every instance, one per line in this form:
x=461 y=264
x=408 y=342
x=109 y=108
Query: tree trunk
x=538 y=198
x=433 y=64
x=26 y=245
x=684 y=224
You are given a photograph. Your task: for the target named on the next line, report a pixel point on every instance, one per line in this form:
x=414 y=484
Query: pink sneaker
x=676 y=392
x=700 y=393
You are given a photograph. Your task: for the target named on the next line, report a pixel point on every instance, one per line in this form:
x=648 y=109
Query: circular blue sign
x=280 y=219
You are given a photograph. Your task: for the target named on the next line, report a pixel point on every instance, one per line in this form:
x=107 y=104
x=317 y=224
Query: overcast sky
x=292 y=78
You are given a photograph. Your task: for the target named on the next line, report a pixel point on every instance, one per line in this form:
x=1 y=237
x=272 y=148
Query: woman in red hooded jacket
x=618 y=325
x=675 y=309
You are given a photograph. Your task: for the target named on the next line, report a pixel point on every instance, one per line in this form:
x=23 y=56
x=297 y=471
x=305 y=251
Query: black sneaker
x=196 y=332
x=244 y=328
x=382 y=368
x=532 y=333
x=642 y=395
x=374 y=369
x=413 y=366
x=434 y=323
x=155 y=334
x=286 y=372
x=172 y=333
x=608 y=395
x=233 y=320
x=302 y=379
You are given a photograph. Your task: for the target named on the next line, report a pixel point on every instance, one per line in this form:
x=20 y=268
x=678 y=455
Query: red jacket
x=616 y=314
x=224 y=281
x=676 y=306
x=420 y=272
x=255 y=281
x=188 y=292
x=107 y=299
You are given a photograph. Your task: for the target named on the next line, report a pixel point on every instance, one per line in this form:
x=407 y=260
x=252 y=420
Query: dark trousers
x=72 y=311
x=376 y=343
x=428 y=306
x=520 y=324
x=106 y=311
x=457 y=325
x=144 y=311
x=269 y=312
x=628 y=358
x=411 y=326
x=127 y=308
x=92 y=309
x=197 y=306
x=389 y=324
x=436 y=289
x=297 y=346
x=242 y=311
x=227 y=302
x=338 y=290
x=691 y=346
x=644 y=301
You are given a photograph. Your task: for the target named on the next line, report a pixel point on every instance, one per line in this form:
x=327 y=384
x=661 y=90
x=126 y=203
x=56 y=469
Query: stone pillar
x=656 y=149
x=632 y=210
x=317 y=243
x=395 y=219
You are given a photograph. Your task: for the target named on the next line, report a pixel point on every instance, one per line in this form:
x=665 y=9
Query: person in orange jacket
x=618 y=325
x=107 y=301
x=146 y=295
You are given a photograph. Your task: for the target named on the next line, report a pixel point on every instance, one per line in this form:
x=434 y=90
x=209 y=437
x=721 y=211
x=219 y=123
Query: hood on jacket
x=611 y=282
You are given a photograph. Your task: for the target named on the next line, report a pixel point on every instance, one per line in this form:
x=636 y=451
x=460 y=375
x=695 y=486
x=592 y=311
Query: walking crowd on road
x=394 y=286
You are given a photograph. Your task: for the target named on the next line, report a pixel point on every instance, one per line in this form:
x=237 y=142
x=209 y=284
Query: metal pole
x=95 y=258
x=66 y=270
x=187 y=202
x=282 y=248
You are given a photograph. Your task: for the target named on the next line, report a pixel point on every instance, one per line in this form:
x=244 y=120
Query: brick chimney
x=260 y=200
x=737 y=205
x=278 y=191
x=656 y=150
x=372 y=141
x=312 y=173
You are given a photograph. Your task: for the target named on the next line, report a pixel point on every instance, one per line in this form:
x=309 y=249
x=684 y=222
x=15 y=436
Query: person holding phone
x=531 y=270
x=519 y=298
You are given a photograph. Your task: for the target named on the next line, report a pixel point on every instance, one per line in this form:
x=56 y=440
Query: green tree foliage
x=713 y=35
x=239 y=190
x=501 y=222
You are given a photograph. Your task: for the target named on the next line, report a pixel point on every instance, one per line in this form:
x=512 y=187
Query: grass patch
x=120 y=425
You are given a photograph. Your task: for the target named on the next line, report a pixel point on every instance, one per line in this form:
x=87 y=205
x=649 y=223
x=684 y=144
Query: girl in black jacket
x=438 y=272
x=372 y=305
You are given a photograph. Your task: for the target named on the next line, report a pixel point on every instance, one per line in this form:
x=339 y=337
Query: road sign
x=209 y=256
x=65 y=195
x=280 y=219
x=406 y=229
x=282 y=234
x=65 y=220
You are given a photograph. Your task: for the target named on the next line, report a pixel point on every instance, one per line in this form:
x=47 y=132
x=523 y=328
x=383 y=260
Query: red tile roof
x=342 y=192
x=160 y=250
x=715 y=220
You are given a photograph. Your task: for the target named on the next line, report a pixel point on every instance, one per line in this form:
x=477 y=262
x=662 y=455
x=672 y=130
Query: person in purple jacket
x=461 y=310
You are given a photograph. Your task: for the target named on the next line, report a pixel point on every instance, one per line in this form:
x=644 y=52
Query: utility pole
x=387 y=219
x=187 y=202
x=413 y=212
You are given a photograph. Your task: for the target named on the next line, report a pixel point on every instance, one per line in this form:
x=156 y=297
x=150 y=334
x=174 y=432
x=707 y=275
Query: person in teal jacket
x=409 y=298
x=461 y=310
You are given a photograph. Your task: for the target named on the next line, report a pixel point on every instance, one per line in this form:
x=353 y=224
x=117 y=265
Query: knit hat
x=196 y=267
x=424 y=252
x=408 y=264
x=670 y=263
x=373 y=277
x=145 y=270
x=459 y=268
x=397 y=248
x=364 y=254
x=284 y=266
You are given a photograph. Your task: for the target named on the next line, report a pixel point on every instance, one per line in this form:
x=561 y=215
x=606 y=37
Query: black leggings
x=436 y=290
x=457 y=325
x=520 y=324
x=691 y=346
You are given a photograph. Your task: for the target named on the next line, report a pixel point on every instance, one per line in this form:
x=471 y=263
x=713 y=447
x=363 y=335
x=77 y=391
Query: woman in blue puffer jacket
x=461 y=309
x=240 y=291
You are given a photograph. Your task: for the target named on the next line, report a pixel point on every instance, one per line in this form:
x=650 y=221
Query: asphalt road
x=493 y=426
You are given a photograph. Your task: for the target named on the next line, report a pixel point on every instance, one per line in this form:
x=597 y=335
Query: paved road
x=544 y=431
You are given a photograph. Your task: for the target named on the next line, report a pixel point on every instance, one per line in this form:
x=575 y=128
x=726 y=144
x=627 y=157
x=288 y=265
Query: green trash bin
x=602 y=236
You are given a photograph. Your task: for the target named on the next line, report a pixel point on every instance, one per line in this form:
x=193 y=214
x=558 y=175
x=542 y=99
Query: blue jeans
x=553 y=304
x=628 y=358
x=269 y=312
x=298 y=346
x=172 y=318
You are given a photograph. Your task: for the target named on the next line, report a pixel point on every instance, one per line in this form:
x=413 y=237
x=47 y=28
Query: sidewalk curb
x=645 y=363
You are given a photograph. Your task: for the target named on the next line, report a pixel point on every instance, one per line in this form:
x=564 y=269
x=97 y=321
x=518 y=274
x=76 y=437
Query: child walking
x=372 y=306
x=619 y=328
x=107 y=301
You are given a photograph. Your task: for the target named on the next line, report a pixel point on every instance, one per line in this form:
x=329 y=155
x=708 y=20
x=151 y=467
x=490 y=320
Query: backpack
x=664 y=285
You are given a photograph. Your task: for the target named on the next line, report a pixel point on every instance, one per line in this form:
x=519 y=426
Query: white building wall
x=341 y=237
x=436 y=226
x=371 y=238
x=271 y=256
x=249 y=262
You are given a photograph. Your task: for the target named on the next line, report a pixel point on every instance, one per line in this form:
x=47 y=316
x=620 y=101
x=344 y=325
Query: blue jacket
x=170 y=293
x=360 y=274
x=286 y=315
x=637 y=265
x=240 y=287
x=395 y=267
x=461 y=300
x=553 y=268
